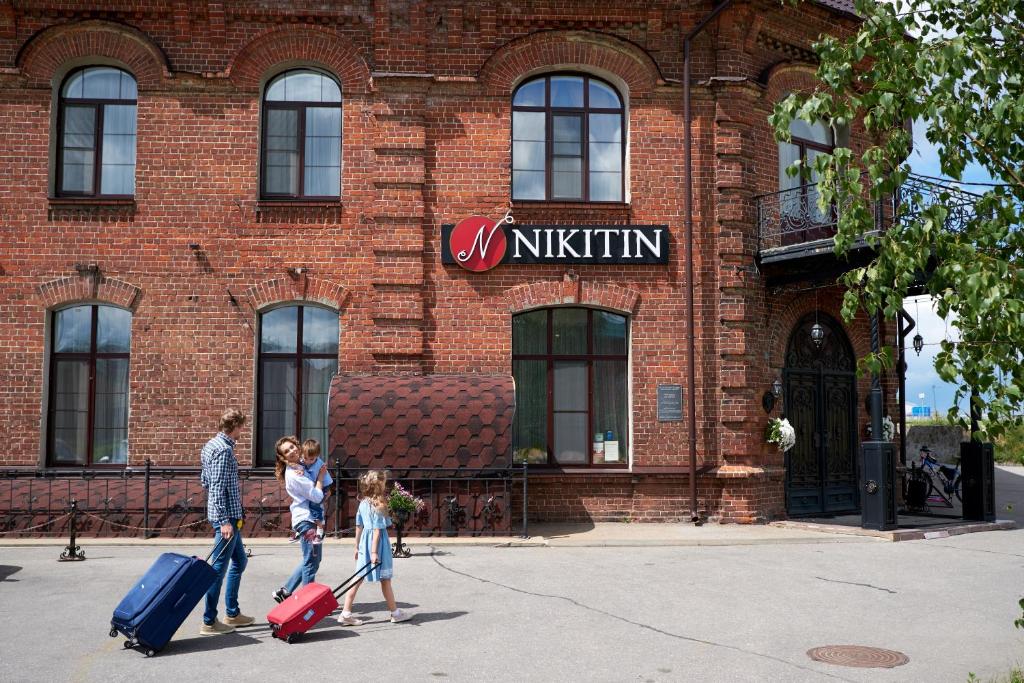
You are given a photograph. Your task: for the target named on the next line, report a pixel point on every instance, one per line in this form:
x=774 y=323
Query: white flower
x=781 y=433
x=888 y=428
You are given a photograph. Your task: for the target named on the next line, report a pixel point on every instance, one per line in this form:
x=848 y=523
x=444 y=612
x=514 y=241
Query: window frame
x=589 y=358
x=91 y=356
x=300 y=107
x=97 y=105
x=297 y=357
x=583 y=113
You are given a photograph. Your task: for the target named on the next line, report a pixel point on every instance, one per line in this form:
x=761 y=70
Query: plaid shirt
x=220 y=479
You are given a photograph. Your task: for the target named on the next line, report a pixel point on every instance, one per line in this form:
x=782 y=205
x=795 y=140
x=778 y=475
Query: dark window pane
x=603 y=96
x=528 y=184
x=282 y=129
x=570 y=331
x=609 y=334
x=530 y=94
x=570 y=385
x=114 y=330
x=815 y=132
x=606 y=187
x=74 y=330
x=530 y=333
x=528 y=125
x=110 y=423
x=279 y=330
x=530 y=426
x=319 y=330
x=567 y=184
x=571 y=440
x=527 y=156
x=316 y=384
x=610 y=405
x=79 y=126
x=568 y=132
x=73 y=87
x=566 y=91
x=69 y=412
x=102 y=83
x=277 y=404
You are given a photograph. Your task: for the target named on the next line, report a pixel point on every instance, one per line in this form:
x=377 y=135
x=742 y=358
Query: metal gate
x=821 y=404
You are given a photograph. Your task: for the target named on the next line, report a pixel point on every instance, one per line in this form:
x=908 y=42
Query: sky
x=921 y=375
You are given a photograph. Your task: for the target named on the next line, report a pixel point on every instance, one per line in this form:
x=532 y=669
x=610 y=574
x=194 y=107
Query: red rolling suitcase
x=303 y=609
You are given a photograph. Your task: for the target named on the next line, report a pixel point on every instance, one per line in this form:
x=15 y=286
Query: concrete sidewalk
x=613 y=534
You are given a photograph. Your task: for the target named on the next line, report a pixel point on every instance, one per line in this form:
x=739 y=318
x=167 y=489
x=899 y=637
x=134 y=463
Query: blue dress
x=369 y=518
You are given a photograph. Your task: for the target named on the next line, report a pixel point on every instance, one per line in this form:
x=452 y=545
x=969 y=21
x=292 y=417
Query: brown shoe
x=217 y=628
x=239 y=620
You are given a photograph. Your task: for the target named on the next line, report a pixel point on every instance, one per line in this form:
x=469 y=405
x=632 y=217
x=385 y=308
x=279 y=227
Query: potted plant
x=402 y=505
x=781 y=433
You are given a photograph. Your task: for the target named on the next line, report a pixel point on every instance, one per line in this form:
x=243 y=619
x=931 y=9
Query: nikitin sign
x=478 y=243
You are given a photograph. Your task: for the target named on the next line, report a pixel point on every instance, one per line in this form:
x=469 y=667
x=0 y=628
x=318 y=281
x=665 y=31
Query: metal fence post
x=525 y=489
x=338 y=498
x=72 y=553
x=145 y=501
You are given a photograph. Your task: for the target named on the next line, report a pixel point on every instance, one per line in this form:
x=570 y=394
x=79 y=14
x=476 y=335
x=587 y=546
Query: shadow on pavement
x=206 y=643
x=8 y=569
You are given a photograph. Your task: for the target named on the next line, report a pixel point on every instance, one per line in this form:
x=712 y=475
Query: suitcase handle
x=222 y=548
x=354 y=579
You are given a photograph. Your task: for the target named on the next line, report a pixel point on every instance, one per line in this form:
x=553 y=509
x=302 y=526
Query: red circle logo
x=478 y=243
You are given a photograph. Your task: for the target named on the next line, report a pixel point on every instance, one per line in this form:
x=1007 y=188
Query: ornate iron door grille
x=821 y=404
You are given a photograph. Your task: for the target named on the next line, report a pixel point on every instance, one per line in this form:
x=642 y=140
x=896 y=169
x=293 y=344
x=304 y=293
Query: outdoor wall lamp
x=771 y=396
x=918 y=343
x=817 y=334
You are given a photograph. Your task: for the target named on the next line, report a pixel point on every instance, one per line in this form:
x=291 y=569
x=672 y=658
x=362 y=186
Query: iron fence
x=169 y=502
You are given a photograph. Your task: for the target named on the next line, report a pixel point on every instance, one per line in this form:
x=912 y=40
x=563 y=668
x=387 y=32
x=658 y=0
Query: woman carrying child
x=303 y=491
x=373 y=546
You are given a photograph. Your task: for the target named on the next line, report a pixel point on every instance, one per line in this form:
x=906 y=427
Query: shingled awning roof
x=397 y=421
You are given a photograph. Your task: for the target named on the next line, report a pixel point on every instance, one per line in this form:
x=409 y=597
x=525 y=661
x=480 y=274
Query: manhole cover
x=858 y=655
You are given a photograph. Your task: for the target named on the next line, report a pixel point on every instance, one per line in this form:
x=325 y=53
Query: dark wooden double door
x=821 y=404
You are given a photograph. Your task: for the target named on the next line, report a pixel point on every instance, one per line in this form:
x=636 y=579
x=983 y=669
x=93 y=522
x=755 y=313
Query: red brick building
x=211 y=204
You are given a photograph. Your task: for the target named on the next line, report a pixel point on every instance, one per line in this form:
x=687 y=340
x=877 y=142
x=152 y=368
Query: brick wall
x=426 y=128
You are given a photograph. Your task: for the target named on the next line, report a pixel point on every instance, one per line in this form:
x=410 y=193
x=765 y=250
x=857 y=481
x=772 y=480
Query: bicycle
x=947 y=476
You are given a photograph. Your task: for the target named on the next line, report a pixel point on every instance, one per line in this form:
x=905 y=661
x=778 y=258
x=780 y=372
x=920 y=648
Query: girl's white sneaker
x=349 y=620
x=400 y=615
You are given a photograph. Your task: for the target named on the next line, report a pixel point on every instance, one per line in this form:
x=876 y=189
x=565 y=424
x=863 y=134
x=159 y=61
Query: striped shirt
x=220 y=479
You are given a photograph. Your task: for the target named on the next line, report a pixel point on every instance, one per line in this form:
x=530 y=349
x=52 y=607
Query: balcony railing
x=791 y=220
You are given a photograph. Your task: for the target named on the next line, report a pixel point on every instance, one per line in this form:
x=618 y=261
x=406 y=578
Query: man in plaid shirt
x=224 y=510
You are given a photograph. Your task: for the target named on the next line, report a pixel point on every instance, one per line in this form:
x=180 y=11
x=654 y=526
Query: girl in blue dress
x=372 y=545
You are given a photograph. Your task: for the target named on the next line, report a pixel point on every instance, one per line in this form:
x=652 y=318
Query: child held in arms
x=311 y=462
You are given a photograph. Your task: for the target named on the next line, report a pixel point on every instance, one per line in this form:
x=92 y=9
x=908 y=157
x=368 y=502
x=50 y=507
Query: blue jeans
x=311 y=554
x=235 y=553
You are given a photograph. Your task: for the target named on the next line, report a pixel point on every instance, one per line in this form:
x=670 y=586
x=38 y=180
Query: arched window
x=572 y=388
x=568 y=140
x=87 y=421
x=803 y=220
x=302 y=136
x=96 y=119
x=298 y=356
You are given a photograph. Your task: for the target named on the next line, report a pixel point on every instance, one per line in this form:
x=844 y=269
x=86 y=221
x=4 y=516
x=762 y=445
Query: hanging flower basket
x=781 y=433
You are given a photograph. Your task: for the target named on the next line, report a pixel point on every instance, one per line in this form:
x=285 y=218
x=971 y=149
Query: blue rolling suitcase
x=158 y=604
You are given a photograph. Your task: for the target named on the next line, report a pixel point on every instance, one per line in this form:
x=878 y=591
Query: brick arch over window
x=555 y=49
x=789 y=77
x=312 y=289
x=300 y=45
x=572 y=291
x=782 y=326
x=68 y=290
x=42 y=57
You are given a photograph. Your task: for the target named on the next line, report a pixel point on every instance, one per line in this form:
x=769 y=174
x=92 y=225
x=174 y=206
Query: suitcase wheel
x=127 y=644
x=113 y=632
x=290 y=639
x=150 y=652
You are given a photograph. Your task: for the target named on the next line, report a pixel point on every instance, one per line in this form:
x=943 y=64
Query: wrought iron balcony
x=795 y=236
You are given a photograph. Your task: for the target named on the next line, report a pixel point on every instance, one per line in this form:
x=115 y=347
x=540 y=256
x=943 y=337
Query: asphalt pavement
x=735 y=609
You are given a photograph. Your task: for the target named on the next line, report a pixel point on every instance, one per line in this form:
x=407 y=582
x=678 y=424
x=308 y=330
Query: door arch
x=820 y=402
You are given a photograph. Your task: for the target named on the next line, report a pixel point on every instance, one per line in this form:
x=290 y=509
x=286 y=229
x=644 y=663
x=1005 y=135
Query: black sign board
x=670 y=402
x=568 y=244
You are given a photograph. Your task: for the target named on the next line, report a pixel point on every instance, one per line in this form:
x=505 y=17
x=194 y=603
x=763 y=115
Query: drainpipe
x=688 y=197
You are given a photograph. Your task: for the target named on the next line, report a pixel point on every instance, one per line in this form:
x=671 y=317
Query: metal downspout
x=688 y=197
